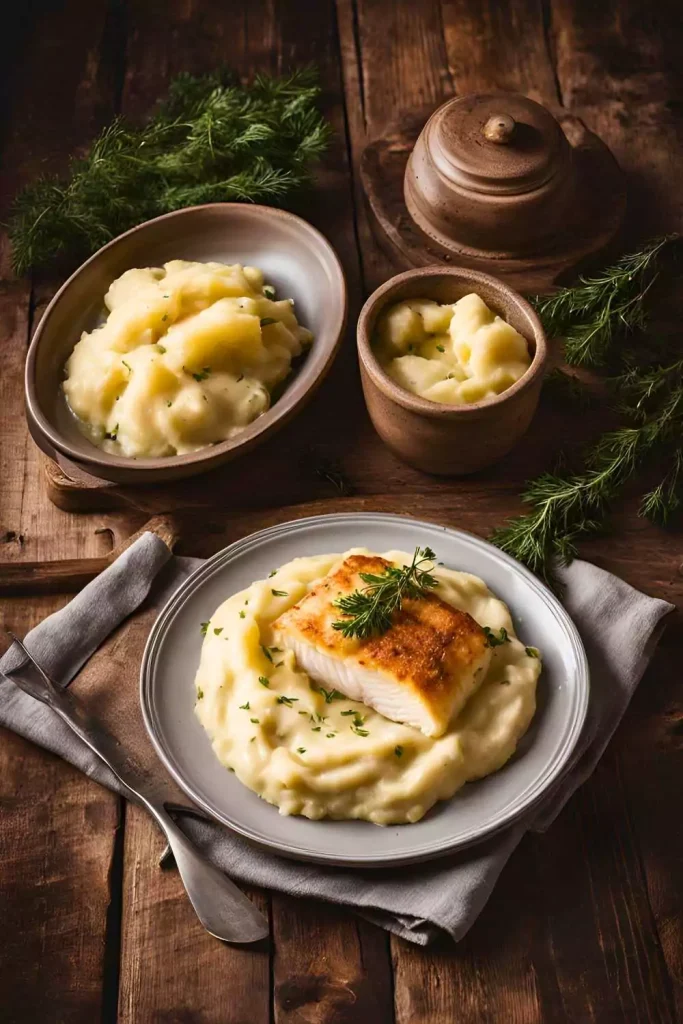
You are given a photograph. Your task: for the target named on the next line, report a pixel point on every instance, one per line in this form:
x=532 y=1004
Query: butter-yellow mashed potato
x=189 y=355
x=454 y=354
x=321 y=755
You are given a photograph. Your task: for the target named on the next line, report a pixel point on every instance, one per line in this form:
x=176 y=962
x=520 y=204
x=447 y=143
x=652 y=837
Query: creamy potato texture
x=319 y=754
x=189 y=355
x=453 y=354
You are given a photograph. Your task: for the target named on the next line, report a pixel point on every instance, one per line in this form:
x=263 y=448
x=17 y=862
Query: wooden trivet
x=598 y=215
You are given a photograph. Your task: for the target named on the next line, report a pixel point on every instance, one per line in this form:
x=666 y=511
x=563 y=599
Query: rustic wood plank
x=56 y=855
x=499 y=45
x=620 y=71
x=43 y=128
x=171 y=969
x=329 y=966
x=57 y=842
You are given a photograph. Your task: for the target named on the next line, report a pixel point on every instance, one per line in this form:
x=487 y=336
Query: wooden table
x=586 y=923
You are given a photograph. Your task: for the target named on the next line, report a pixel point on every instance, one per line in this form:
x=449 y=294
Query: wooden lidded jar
x=491 y=173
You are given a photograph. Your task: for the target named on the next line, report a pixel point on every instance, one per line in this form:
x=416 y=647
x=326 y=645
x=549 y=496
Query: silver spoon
x=221 y=907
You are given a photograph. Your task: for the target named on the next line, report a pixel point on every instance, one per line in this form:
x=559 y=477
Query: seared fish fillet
x=420 y=672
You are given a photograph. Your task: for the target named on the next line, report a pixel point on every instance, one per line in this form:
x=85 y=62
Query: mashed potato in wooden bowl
x=188 y=356
x=310 y=749
x=454 y=354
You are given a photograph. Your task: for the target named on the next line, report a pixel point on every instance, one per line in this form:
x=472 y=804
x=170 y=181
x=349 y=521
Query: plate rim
x=432 y=850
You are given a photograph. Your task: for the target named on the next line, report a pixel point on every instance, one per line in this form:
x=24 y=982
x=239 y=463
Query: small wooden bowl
x=295 y=257
x=450 y=439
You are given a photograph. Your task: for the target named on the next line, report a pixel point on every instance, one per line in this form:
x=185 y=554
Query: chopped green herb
x=329 y=695
x=301 y=750
x=267 y=654
x=279 y=593
x=238 y=379
x=169 y=404
x=127 y=365
x=242 y=614
x=286 y=700
x=369 y=611
x=273 y=572
x=203 y=374
x=111 y=435
x=269 y=291
x=359 y=732
x=440 y=348
x=252 y=739
x=320 y=718
x=495 y=641
x=255 y=721
x=266 y=321
x=303 y=712
x=398 y=751
x=263 y=681
x=200 y=693
x=531 y=652
x=245 y=707
x=204 y=628
x=351 y=712
x=165 y=317
x=316 y=728
x=219 y=630
x=330 y=735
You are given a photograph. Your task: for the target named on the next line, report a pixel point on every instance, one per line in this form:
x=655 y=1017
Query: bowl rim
x=424 y=406
x=277 y=415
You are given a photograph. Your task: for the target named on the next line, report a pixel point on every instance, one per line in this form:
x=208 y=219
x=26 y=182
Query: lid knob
x=499 y=129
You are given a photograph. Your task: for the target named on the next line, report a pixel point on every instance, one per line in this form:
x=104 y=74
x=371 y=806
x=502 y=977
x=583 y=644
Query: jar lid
x=499 y=143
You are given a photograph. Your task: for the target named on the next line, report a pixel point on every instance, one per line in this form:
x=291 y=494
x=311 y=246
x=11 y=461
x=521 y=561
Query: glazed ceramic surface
x=476 y=812
x=295 y=258
x=450 y=439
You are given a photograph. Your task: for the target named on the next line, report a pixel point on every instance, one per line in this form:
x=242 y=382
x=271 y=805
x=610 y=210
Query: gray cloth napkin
x=619 y=627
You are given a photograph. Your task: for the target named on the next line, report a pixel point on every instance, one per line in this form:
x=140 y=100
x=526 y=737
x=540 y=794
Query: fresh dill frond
x=599 y=310
x=212 y=140
x=564 y=508
x=369 y=611
x=664 y=501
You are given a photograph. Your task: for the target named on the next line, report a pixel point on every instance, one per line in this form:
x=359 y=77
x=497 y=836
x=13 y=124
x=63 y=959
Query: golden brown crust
x=429 y=646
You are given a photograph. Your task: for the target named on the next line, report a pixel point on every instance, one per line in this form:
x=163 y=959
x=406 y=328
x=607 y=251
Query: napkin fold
x=96 y=641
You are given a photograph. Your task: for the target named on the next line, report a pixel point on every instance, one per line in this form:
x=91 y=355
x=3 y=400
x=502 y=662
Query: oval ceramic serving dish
x=295 y=257
x=477 y=811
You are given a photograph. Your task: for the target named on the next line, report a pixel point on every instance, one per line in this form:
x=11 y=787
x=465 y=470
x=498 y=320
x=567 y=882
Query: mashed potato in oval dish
x=455 y=354
x=314 y=752
x=189 y=355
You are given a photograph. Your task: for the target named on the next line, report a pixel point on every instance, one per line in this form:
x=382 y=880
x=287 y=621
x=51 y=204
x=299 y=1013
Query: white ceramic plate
x=478 y=810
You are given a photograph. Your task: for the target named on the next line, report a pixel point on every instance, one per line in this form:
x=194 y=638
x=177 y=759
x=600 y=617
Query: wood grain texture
x=56 y=851
x=57 y=837
x=171 y=969
x=329 y=966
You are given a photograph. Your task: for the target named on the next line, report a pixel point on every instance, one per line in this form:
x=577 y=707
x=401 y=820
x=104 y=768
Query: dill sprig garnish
x=370 y=609
x=599 y=310
x=597 y=318
x=567 y=507
x=212 y=140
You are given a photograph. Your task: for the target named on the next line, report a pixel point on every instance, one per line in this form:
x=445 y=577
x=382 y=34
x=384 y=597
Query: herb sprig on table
x=369 y=611
x=601 y=319
x=212 y=140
